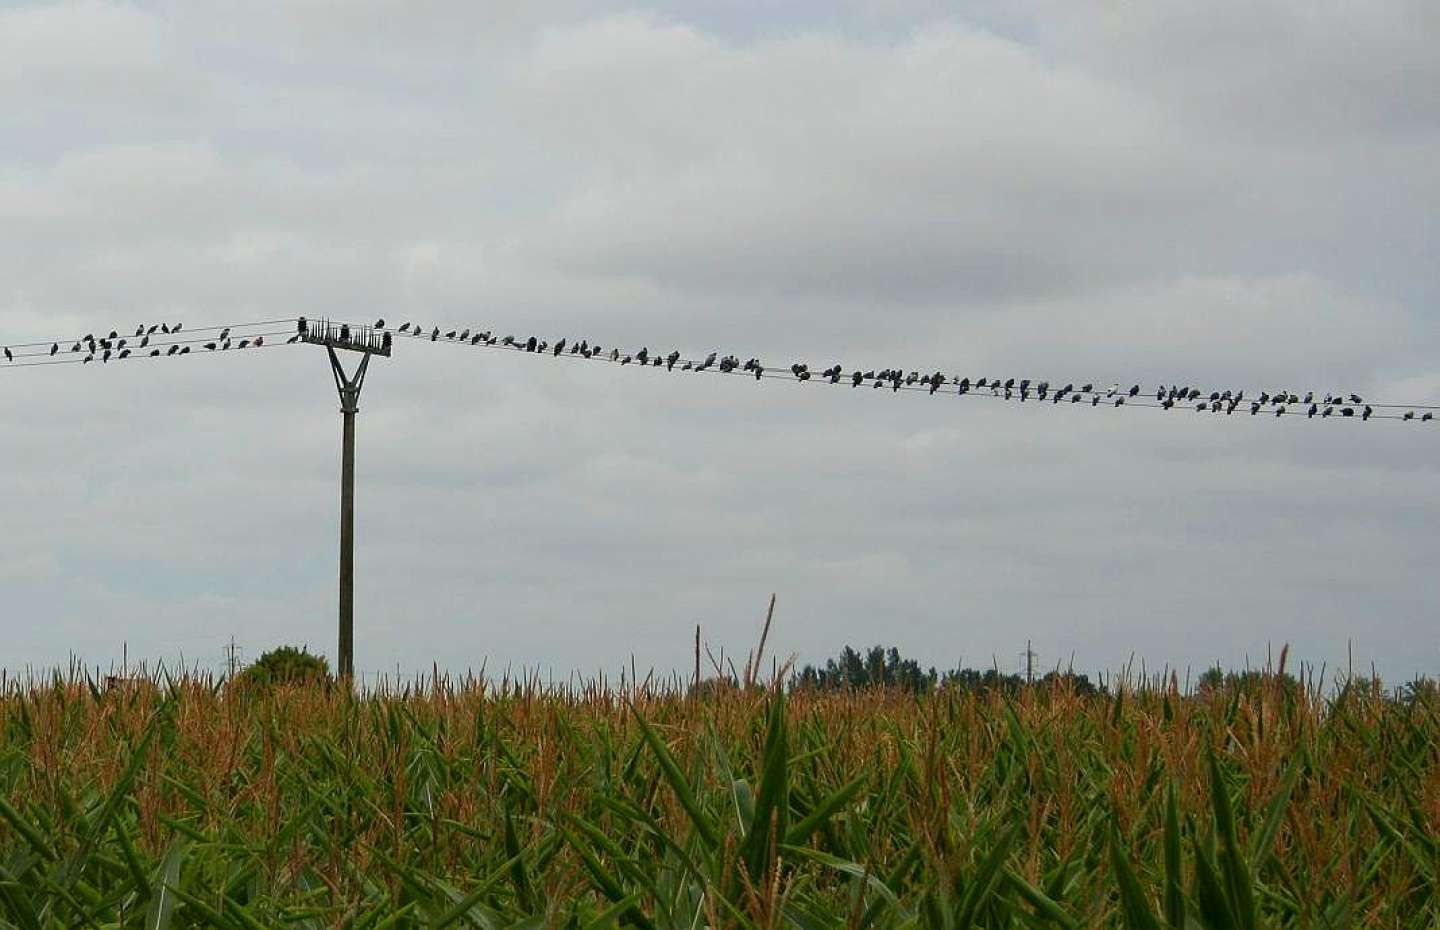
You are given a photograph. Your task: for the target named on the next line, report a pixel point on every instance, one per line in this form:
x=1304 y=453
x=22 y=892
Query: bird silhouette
x=404 y=327
x=212 y=346
x=174 y=349
x=9 y=356
x=1409 y=415
x=1427 y=418
x=225 y=333
x=289 y=342
x=380 y=323
x=559 y=347
x=670 y=361
x=54 y=347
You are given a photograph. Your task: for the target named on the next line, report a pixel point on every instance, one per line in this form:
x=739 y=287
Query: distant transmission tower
x=232 y=658
x=1029 y=655
x=368 y=341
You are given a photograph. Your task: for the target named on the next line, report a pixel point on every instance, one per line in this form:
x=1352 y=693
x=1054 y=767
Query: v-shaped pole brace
x=349 y=388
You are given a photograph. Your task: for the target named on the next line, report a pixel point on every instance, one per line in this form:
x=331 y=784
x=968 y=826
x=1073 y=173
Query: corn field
x=187 y=803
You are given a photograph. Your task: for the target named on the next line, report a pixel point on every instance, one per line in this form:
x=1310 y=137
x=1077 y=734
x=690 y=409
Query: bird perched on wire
x=54 y=347
x=9 y=356
x=380 y=323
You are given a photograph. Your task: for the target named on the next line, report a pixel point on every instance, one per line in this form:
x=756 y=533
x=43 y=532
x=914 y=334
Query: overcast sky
x=1228 y=193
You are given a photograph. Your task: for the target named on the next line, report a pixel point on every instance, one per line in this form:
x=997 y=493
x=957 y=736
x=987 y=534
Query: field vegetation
x=1255 y=802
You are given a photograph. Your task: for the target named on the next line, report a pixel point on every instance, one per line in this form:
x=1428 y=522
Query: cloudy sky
x=1234 y=194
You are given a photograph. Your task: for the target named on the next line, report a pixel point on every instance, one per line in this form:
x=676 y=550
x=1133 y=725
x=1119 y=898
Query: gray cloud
x=1182 y=193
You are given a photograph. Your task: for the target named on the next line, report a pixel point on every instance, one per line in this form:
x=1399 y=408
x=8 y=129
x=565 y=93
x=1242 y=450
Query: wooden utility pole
x=368 y=342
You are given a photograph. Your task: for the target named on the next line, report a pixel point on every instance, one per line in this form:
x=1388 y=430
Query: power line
x=149 y=353
x=1229 y=402
x=178 y=328
x=1115 y=396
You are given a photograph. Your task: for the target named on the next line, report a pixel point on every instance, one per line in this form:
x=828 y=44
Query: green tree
x=287 y=665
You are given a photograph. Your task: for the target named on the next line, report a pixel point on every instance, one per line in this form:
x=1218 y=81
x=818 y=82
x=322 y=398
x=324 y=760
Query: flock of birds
x=167 y=342
x=1278 y=402
x=93 y=347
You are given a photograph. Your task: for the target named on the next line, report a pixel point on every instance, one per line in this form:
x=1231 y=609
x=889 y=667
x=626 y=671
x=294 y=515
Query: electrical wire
x=1104 y=397
x=187 y=329
x=47 y=354
x=70 y=358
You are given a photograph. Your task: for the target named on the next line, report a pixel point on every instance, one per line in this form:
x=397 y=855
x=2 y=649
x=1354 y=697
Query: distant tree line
x=881 y=667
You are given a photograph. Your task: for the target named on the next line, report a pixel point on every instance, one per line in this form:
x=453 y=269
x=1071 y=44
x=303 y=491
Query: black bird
x=670 y=361
x=154 y=353
x=289 y=342
x=614 y=355
x=1088 y=388
x=1280 y=411
x=144 y=342
x=1355 y=399
x=450 y=335
x=88 y=359
x=75 y=347
x=964 y=385
x=114 y=335
x=1410 y=415
x=165 y=328
x=709 y=360
x=1367 y=413
x=380 y=323
x=174 y=349
x=212 y=346
x=1165 y=404
x=244 y=344
x=54 y=347
x=125 y=354
x=225 y=333
x=106 y=357
x=625 y=361
x=559 y=347
x=1202 y=406
x=530 y=344
x=151 y=330
x=1328 y=411
x=937 y=381
x=225 y=345
x=508 y=341
x=464 y=335
x=404 y=327
x=642 y=356
x=1134 y=389
x=140 y=330
x=1254 y=407
x=1119 y=401
x=435 y=334
x=9 y=356
x=1427 y=417
x=1310 y=414
x=259 y=341
x=1095 y=400
x=1347 y=411
x=857 y=377
x=185 y=351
